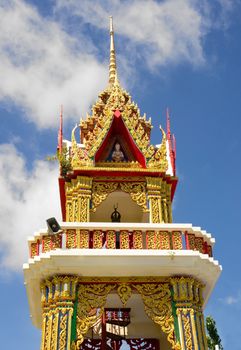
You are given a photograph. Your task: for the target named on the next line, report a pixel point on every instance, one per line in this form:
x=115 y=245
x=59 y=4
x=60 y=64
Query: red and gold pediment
x=116 y=127
x=115 y=103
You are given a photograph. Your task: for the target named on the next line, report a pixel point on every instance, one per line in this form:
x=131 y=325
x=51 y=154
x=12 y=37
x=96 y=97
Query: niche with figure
x=128 y=209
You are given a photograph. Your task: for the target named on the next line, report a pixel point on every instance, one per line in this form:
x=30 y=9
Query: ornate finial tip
x=111 y=24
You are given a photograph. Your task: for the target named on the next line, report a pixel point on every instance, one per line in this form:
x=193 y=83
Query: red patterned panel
x=110 y=240
x=151 y=239
x=176 y=240
x=124 y=240
x=165 y=240
x=34 y=249
x=137 y=240
x=56 y=241
x=46 y=243
x=199 y=244
x=83 y=239
x=70 y=239
x=191 y=241
x=97 y=239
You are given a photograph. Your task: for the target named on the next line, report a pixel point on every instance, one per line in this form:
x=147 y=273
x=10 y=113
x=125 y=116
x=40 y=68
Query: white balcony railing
x=123 y=236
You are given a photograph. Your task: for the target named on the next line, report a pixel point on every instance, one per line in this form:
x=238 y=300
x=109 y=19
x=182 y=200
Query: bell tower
x=118 y=273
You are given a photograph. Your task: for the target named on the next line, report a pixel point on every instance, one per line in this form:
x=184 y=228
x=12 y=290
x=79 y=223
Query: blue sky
x=184 y=54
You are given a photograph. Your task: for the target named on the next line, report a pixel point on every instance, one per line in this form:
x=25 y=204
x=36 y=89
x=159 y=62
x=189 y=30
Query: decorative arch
x=156 y=298
x=137 y=191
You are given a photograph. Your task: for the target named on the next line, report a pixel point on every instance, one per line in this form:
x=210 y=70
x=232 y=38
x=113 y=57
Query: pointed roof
x=113 y=101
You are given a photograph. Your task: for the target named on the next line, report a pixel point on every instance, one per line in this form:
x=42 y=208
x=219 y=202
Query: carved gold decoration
x=177 y=240
x=95 y=128
x=199 y=244
x=187 y=329
x=44 y=337
x=34 y=249
x=83 y=239
x=187 y=290
x=164 y=209
x=137 y=191
x=111 y=164
x=59 y=293
x=100 y=191
x=137 y=240
x=79 y=156
x=124 y=292
x=83 y=209
x=157 y=302
x=92 y=299
x=124 y=240
x=191 y=240
x=63 y=332
x=70 y=239
x=158 y=240
x=120 y=178
x=110 y=240
x=57 y=299
x=159 y=158
x=49 y=331
x=78 y=193
x=155 y=204
x=165 y=240
x=97 y=239
x=151 y=239
x=54 y=337
x=154 y=186
x=126 y=280
x=46 y=243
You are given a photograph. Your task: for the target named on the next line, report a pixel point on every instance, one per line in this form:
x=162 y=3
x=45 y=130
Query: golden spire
x=112 y=67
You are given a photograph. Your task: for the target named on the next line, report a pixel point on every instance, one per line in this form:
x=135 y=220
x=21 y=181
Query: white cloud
x=158 y=32
x=28 y=198
x=43 y=67
x=232 y=300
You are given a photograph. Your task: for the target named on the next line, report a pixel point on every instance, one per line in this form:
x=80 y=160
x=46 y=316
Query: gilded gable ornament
x=79 y=156
x=159 y=158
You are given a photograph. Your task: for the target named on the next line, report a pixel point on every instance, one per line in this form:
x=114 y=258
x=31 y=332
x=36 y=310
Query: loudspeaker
x=53 y=225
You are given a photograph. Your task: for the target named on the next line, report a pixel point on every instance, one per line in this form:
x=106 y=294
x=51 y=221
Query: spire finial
x=112 y=67
x=168 y=123
x=60 y=133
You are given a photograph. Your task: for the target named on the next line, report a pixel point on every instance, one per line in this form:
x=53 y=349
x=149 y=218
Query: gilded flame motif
x=159 y=158
x=92 y=299
x=79 y=156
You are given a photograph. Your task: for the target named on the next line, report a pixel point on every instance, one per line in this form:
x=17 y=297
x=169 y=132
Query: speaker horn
x=53 y=225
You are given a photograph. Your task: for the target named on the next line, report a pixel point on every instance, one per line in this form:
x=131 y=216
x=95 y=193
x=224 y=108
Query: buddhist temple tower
x=118 y=273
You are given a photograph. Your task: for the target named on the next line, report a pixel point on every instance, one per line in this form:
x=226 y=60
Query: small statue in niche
x=115 y=216
x=117 y=154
